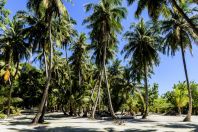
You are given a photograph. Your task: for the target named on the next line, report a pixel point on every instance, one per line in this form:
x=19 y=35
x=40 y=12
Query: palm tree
x=47 y=10
x=179 y=35
x=78 y=58
x=180 y=95
x=14 y=49
x=104 y=23
x=4 y=14
x=78 y=64
x=142 y=49
x=37 y=35
x=156 y=7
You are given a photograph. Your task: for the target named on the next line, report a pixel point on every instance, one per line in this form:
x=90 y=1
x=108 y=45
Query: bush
x=3 y=116
x=15 y=111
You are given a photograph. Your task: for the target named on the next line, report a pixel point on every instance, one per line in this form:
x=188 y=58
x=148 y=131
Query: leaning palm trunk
x=146 y=92
x=41 y=119
x=109 y=96
x=97 y=98
x=45 y=94
x=10 y=90
x=188 y=117
x=107 y=84
x=192 y=25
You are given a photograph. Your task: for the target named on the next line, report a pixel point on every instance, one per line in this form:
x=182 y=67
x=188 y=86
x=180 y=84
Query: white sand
x=56 y=122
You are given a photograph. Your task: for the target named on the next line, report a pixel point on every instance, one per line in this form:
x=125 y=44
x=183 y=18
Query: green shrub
x=15 y=111
x=3 y=116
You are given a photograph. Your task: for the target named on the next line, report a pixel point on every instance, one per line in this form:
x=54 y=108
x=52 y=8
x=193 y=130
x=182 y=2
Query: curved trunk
x=109 y=95
x=97 y=98
x=45 y=94
x=179 y=9
x=188 y=117
x=10 y=90
x=146 y=92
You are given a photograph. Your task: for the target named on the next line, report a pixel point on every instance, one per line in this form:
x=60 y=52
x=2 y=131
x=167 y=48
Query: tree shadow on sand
x=130 y=130
x=72 y=129
x=181 y=126
x=26 y=121
x=56 y=129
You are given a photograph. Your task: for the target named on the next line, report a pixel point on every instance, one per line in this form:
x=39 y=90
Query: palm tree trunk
x=108 y=93
x=41 y=119
x=99 y=102
x=9 y=98
x=97 y=98
x=179 y=9
x=46 y=65
x=79 y=79
x=107 y=84
x=146 y=92
x=179 y=111
x=10 y=90
x=45 y=94
x=66 y=57
x=188 y=117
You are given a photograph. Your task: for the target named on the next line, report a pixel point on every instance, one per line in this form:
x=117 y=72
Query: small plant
x=3 y=116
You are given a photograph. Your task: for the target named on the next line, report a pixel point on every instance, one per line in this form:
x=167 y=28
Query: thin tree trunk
x=188 y=117
x=41 y=119
x=46 y=65
x=99 y=102
x=39 y=113
x=68 y=67
x=179 y=9
x=179 y=111
x=66 y=53
x=108 y=93
x=106 y=79
x=9 y=98
x=10 y=90
x=97 y=98
x=146 y=92
x=71 y=111
x=79 y=79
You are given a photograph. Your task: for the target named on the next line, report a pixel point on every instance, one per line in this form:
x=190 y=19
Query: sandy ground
x=56 y=122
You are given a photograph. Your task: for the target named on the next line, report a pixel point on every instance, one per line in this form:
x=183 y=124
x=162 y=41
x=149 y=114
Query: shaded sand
x=56 y=122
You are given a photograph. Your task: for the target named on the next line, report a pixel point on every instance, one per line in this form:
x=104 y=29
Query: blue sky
x=170 y=70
